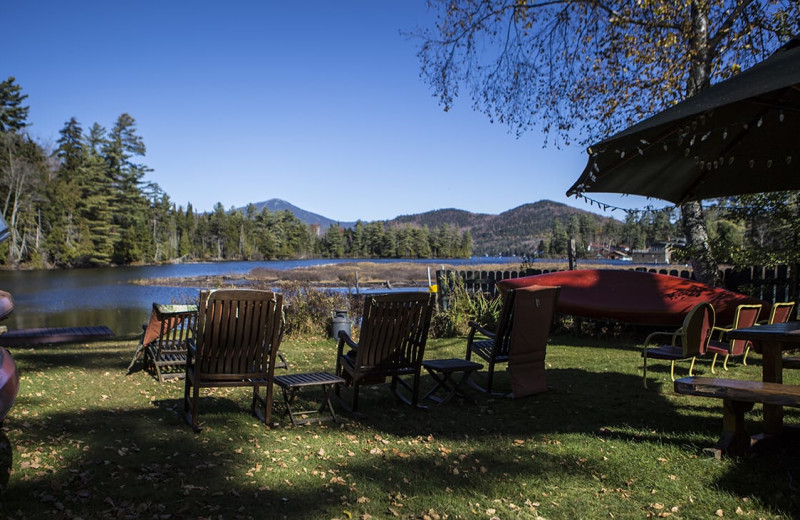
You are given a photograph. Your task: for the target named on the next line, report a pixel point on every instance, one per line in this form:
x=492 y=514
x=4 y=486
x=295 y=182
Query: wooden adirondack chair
x=394 y=330
x=163 y=341
x=520 y=339
x=688 y=342
x=745 y=316
x=238 y=335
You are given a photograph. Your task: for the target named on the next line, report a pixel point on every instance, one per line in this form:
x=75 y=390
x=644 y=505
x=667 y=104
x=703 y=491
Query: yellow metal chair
x=745 y=316
x=781 y=312
x=688 y=342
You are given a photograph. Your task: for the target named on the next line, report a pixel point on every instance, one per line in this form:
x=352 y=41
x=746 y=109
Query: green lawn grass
x=89 y=441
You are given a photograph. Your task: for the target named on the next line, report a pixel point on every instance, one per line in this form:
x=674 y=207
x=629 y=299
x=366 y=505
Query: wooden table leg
x=772 y=372
x=734 y=440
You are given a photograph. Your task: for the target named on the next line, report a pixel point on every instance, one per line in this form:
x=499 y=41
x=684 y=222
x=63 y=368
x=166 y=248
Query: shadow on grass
x=40 y=360
x=140 y=464
x=608 y=405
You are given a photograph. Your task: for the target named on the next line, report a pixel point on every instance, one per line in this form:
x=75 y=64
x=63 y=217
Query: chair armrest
x=191 y=349
x=475 y=327
x=672 y=335
x=344 y=338
x=722 y=331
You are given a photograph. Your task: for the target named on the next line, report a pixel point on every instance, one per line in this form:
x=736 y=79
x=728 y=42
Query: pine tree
x=129 y=204
x=13 y=115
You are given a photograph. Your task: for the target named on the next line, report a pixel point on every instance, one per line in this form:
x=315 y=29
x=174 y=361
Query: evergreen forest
x=86 y=202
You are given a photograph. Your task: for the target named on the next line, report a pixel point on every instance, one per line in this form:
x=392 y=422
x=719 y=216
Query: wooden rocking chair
x=163 y=341
x=394 y=330
x=238 y=335
x=526 y=318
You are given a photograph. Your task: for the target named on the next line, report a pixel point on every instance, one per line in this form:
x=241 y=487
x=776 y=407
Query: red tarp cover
x=635 y=296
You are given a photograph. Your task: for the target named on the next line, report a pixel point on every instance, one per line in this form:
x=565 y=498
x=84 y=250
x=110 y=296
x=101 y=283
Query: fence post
x=572 y=254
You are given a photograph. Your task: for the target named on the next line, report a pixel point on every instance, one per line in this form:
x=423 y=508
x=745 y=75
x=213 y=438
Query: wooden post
x=571 y=254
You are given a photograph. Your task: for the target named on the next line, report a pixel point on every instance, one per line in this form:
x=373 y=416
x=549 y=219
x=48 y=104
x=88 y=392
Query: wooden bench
x=50 y=335
x=738 y=397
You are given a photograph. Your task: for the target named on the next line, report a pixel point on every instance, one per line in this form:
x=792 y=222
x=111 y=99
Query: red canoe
x=635 y=296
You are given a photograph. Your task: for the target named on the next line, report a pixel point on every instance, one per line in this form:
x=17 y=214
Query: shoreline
x=364 y=274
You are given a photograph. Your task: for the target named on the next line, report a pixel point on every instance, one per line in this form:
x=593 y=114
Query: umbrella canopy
x=739 y=136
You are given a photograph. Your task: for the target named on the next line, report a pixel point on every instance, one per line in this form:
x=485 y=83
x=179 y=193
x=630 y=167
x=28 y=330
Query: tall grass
x=463 y=306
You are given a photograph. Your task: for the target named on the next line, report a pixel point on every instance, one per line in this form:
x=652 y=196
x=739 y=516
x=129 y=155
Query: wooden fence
x=774 y=284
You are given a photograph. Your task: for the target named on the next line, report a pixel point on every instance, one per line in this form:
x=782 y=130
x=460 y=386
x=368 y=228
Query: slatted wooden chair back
x=781 y=312
x=238 y=334
x=697 y=330
x=170 y=323
x=745 y=316
x=394 y=330
x=165 y=337
x=505 y=326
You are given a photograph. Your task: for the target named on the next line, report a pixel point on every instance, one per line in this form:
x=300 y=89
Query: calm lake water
x=105 y=296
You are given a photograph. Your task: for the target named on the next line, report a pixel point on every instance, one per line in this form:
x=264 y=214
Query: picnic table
x=738 y=396
x=770 y=341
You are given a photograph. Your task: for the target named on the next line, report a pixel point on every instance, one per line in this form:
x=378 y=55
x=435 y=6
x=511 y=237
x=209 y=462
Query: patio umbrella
x=739 y=136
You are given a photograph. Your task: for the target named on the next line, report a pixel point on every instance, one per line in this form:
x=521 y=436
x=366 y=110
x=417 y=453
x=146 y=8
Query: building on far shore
x=657 y=253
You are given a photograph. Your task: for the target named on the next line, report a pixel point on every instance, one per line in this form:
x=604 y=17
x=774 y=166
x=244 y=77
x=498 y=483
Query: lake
x=106 y=296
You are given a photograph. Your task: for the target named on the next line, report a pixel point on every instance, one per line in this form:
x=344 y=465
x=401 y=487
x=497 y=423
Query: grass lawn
x=89 y=441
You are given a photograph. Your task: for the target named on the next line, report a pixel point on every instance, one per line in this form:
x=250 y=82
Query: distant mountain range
x=518 y=229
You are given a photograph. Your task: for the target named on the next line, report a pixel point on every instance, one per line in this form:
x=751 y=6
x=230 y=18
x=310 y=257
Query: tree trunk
x=694 y=226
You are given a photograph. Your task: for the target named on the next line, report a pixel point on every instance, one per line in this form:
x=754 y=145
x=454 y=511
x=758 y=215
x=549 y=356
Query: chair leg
x=195 y=410
x=190 y=403
x=412 y=389
x=415 y=392
x=644 y=374
x=725 y=363
x=187 y=389
x=265 y=401
x=672 y=370
x=356 y=387
x=744 y=358
x=691 y=367
x=490 y=378
x=713 y=362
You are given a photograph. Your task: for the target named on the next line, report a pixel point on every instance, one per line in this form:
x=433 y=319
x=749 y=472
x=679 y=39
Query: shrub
x=463 y=306
x=309 y=311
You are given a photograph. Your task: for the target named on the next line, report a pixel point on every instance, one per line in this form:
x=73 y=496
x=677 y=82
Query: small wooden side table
x=292 y=383
x=443 y=371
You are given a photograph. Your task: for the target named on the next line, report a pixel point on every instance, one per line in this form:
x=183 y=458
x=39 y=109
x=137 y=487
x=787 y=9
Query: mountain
x=308 y=217
x=517 y=230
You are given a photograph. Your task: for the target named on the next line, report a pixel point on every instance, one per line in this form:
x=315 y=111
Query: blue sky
x=318 y=103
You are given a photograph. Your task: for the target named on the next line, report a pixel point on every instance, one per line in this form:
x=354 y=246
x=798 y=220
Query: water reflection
x=105 y=296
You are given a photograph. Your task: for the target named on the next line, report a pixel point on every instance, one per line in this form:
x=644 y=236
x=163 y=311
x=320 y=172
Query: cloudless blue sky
x=318 y=103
